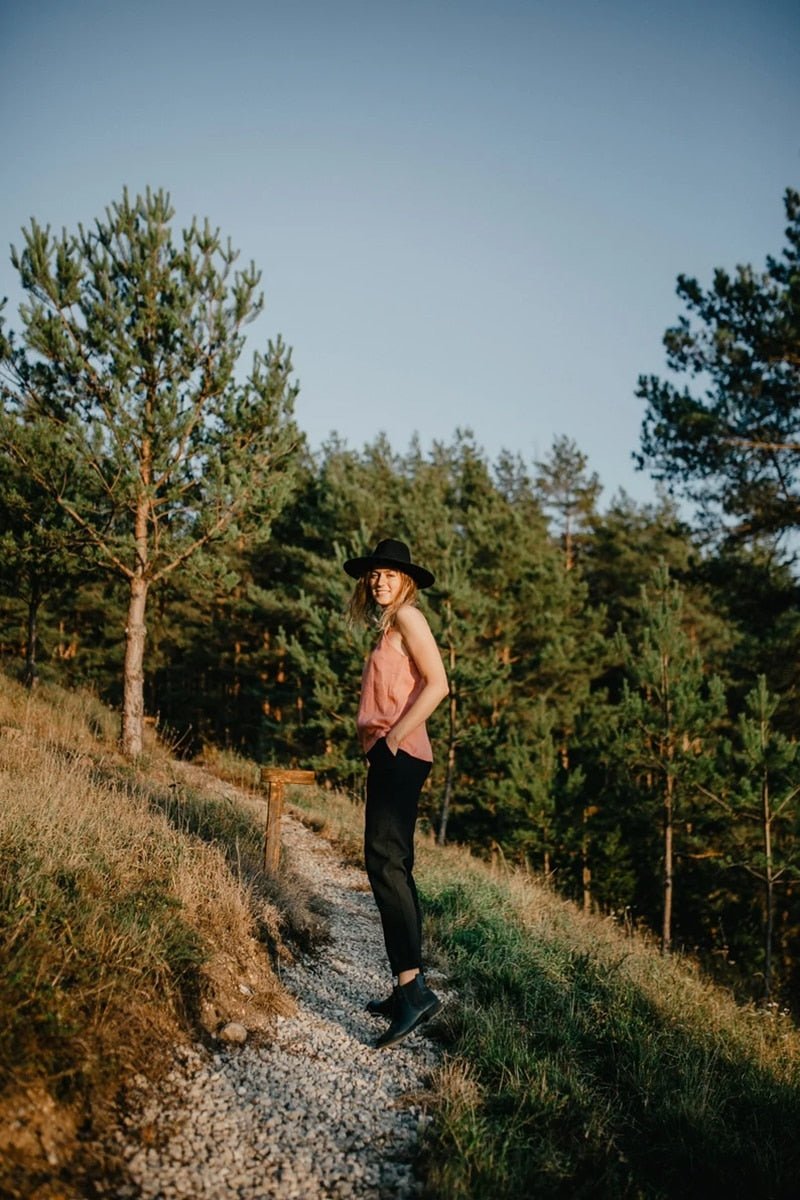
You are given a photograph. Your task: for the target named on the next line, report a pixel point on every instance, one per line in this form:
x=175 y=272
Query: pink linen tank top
x=389 y=686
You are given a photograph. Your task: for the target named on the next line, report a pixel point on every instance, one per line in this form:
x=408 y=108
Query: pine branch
x=758 y=444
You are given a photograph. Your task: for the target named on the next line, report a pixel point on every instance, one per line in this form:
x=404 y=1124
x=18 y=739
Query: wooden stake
x=276 y=779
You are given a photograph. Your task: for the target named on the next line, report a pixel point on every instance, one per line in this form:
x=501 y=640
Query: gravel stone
x=318 y=1113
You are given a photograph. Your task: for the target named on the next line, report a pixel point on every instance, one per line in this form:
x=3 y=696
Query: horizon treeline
x=624 y=711
x=620 y=696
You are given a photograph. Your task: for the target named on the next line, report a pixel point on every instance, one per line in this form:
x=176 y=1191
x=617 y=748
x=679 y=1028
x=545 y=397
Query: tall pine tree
x=130 y=343
x=667 y=718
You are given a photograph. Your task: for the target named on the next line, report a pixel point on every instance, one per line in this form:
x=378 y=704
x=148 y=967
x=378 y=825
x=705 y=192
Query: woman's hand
x=392 y=742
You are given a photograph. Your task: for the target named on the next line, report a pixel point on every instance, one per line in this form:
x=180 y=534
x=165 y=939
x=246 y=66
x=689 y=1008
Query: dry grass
x=335 y=815
x=75 y=722
x=122 y=930
x=228 y=765
x=579 y=1061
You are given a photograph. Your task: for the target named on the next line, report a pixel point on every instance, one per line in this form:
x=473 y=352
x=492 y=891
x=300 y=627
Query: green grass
x=583 y=1085
x=579 y=1062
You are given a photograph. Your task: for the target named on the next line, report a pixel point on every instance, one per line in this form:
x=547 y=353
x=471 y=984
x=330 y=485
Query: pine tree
x=130 y=343
x=43 y=554
x=757 y=596
x=450 y=502
x=734 y=448
x=569 y=493
x=762 y=792
x=667 y=716
x=623 y=543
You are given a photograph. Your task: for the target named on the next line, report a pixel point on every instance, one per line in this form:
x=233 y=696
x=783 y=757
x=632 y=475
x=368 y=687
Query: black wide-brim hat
x=390 y=553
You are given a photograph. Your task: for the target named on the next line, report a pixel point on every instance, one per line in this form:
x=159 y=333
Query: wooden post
x=276 y=779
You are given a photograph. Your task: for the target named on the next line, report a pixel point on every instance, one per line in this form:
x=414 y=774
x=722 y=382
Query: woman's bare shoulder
x=409 y=619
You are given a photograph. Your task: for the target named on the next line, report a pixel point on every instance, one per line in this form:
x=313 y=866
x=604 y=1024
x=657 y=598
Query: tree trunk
x=669 y=786
x=133 y=695
x=769 y=888
x=135 y=632
x=31 y=676
x=586 y=870
x=569 y=554
x=666 y=928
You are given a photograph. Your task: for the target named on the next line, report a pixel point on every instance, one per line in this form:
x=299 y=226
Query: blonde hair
x=362 y=609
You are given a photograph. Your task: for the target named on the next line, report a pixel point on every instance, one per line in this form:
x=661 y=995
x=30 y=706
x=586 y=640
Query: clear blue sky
x=467 y=214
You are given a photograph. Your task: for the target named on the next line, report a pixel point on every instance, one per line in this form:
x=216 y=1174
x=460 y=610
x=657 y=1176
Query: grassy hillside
x=578 y=1062
x=131 y=909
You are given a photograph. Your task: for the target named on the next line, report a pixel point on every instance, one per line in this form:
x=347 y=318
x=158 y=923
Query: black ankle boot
x=385 y=1007
x=382 y=1008
x=414 y=1002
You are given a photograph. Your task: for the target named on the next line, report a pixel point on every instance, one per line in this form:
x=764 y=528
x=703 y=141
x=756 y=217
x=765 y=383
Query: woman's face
x=385 y=585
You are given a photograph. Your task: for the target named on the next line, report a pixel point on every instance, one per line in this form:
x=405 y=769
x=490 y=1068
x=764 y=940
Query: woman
x=403 y=682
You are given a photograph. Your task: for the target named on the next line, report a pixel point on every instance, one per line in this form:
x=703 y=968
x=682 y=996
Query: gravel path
x=319 y=1112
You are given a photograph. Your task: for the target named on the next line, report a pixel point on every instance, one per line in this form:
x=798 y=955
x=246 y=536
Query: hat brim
x=356 y=567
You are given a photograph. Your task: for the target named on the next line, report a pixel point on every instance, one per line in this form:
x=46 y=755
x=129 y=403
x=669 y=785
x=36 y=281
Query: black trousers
x=394 y=783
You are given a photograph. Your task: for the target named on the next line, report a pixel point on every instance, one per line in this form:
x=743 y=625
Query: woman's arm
x=421 y=647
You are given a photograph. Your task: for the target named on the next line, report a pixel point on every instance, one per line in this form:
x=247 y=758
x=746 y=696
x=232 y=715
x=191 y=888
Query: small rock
x=233 y=1033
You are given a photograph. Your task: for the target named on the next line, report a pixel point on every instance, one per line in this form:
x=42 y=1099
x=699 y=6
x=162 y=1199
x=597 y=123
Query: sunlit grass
x=581 y=1062
x=128 y=905
x=578 y=1061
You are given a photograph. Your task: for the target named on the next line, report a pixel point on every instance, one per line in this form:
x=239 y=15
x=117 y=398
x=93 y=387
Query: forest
x=624 y=710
